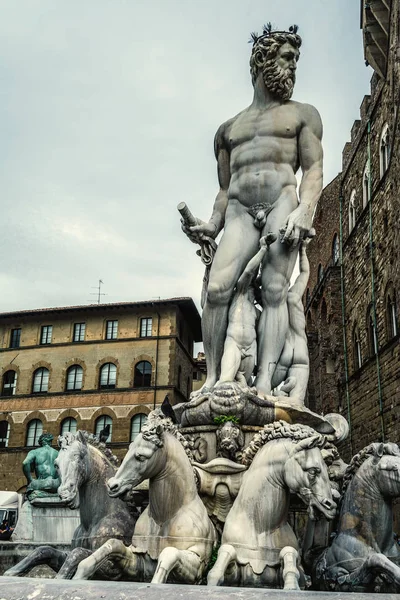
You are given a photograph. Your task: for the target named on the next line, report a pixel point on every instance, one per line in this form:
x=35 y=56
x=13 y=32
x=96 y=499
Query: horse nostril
x=329 y=503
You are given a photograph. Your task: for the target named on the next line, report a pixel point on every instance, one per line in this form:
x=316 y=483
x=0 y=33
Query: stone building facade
x=352 y=299
x=87 y=367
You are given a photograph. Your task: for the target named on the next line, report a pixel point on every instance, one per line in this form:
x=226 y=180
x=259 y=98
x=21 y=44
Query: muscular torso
x=263 y=152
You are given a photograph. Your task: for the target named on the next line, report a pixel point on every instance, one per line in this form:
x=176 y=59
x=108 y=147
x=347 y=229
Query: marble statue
x=364 y=555
x=174 y=537
x=258 y=153
x=84 y=465
x=40 y=461
x=257 y=541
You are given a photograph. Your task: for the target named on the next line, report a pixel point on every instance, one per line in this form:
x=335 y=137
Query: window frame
x=366 y=187
x=142 y=421
x=69 y=420
x=372 y=334
x=111 y=329
x=146 y=325
x=108 y=385
x=352 y=211
x=46 y=333
x=392 y=325
x=75 y=367
x=143 y=375
x=335 y=249
x=12 y=386
x=4 y=440
x=384 y=150
x=41 y=391
x=37 y=433
x=78 y=335
x=107 y=420
x=17 y=343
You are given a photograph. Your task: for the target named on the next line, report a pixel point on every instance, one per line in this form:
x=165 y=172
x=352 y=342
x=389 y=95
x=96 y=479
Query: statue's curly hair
x=275 y=431
x=157 y=419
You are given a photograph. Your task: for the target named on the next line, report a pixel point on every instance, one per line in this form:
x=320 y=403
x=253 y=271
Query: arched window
x=142 y=376
x=384 y=150
x=352 y=211
x=372 y=337
x=74 y=378
x=108 y=376
x=179 y=377
x=320 y=273
x=137 y=423
x=357 y=356
x=68 y=424
x=101 y=424
x=33 y=432
x=308 y=296
x=40 y=381
x=4 y=433
x=9 y=383
x=366 y=188
x=391 y=314
x=335 y=249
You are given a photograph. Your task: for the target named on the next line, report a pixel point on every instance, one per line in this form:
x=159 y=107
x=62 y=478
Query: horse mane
x=67 y=439
x=157 y=423
x=275 y=431
x=376 y=449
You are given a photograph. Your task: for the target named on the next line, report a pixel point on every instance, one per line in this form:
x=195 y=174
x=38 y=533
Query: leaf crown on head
x=267 y=32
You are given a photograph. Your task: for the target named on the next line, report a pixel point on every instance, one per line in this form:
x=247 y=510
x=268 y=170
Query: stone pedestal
x=45 y=523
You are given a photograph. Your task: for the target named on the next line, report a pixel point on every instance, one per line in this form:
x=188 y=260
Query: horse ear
x=81 y=438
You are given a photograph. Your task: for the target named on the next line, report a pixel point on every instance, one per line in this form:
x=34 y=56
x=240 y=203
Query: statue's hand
x=197 y=232
x=297 y=227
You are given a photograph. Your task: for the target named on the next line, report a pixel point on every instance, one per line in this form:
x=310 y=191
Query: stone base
x=14 y=588
x=45 y=524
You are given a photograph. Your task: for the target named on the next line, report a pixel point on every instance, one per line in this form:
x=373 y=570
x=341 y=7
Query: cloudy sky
x=108 y=109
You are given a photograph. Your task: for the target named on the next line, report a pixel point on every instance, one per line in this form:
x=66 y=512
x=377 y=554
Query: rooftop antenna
x=99 y=293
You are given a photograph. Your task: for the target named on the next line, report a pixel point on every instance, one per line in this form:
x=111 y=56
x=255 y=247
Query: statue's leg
x=184 y=563
x=238 y=245
x=113 y=550
x=374 y=565
x=71 y=563
x=277 y=270
x=230 y=361
x=226 y=555
x=290 y=573
x=44 y=555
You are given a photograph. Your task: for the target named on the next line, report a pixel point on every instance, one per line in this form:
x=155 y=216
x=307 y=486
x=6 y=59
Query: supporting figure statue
x=259 y=152
x=41 y=462
x=293 y=367
x=240 y=348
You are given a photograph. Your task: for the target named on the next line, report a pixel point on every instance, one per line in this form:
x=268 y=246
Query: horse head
x=306 y=475
x=71 y=464
x=142 y=460
x=387 y=467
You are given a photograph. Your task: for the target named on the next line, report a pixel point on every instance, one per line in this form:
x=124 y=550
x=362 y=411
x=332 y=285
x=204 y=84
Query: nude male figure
x=258 y=154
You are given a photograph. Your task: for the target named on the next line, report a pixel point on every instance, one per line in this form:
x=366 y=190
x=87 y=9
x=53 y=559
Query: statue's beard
x=278 y=81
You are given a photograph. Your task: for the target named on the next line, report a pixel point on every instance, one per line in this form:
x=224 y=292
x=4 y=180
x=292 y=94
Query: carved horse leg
x=71 y=563
x=373 y=565
x=44 y=555
x=115 y=551
x=185 y=563
x=290 y=572
x=226 y=555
